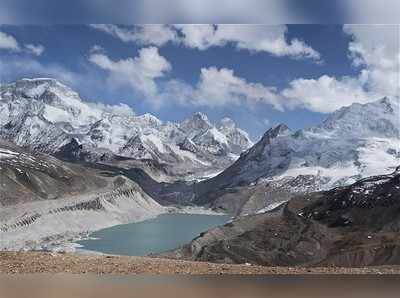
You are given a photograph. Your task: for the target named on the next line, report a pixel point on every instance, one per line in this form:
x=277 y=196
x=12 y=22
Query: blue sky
x=258 y=75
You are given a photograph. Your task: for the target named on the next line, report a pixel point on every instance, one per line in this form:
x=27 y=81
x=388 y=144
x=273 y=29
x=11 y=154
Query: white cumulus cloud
x=139 y=72
x=325 y=94
x=36 y=50
x=254 y=38
x=221 y=87
x=8 y=42
x=374 y=51
x=118 y=109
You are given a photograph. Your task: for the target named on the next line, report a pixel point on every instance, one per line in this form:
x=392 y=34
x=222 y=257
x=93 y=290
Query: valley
x=69 y=168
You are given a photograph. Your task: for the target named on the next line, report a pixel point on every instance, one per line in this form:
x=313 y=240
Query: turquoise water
x=163 y=233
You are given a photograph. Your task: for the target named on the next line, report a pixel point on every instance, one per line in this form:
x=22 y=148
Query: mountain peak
x=44 y=114
x=388 y=100
x=387 y=103
x=151 y=119
x=29 y=83
x=227 y=123
x=377 y=118
x=42 y=89
x=197 y=122
x=38 y=80
x=200 y=116
x=280 y=129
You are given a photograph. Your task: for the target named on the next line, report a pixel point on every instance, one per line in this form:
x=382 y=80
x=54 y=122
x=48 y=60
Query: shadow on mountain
x=356 y=225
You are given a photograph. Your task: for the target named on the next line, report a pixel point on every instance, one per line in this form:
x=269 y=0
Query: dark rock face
x=71 y=151
x=357 y=225
x=76 y=152
x=188 y=145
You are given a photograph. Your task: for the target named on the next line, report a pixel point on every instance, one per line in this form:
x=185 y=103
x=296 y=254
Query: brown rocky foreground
x=39 y=262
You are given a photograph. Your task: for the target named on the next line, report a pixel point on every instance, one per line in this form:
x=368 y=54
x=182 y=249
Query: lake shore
x=41 y=262
x=154 y=236
x=61 y=233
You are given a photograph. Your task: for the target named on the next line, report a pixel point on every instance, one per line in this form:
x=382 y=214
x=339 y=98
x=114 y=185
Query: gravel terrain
x=39 y=262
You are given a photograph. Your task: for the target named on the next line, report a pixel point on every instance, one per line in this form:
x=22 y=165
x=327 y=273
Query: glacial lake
x=165 y=232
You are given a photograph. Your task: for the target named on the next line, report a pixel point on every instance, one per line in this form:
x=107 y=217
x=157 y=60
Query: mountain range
x=45 y=115
x=68 y=162
x=354 y=142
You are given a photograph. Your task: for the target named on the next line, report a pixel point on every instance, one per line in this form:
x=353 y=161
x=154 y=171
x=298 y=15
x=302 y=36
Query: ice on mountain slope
x=376 y=119
x=46 y=115
x=356 y=141
x=237 y=138
x=198 y=123
x=7 y=154
x=52 y=93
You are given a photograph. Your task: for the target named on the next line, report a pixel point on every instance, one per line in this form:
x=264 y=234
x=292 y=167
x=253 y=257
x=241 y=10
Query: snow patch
x=8 y=154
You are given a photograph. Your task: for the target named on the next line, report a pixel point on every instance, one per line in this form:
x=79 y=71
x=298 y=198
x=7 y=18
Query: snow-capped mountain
x=355 y=142
x=237 y=138
x=46 y=115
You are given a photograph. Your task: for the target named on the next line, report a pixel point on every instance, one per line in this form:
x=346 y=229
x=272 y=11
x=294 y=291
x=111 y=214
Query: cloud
x=142 y=34
x=96 y=49
x=221 y=87
x=374 y=51
x=325 y=94
x=255 y=38
x=139 y=72
x=8 y=42
x=36 y=50
x=19 y=67
x=119 y=109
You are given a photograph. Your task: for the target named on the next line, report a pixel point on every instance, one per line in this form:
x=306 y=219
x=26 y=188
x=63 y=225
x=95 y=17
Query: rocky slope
x=31 y=176
x=356 y=225
x=355 y=142
x=46 y=115
x=45 y=201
